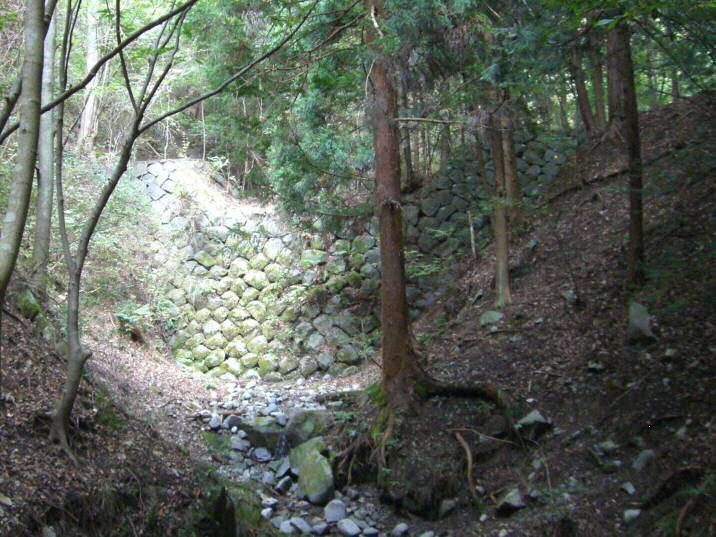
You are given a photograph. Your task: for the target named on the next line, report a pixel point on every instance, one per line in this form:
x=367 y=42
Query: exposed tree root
x=468 y=457
x=683 y=515
x=58 y=435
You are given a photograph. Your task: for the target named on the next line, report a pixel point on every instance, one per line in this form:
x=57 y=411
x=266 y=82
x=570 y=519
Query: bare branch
x=104 y=59
x=231 y=79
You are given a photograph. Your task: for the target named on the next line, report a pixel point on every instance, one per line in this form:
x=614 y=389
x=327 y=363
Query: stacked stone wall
x=252 y=295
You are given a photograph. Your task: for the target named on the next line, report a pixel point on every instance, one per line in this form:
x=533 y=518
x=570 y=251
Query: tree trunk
x=600 y=117
x=503 y=296
x=585 y=108
x=445 y=143
x=512 y=185
x=563 y=118
x=43 y=211
x=407 y=153
x=89 y=113
x=18 y=203
x=624 y=122
x=398 y=355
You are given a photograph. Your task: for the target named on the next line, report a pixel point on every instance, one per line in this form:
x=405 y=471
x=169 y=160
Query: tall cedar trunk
x=89 y=113
x=562 y=95
x=397 y=352
x=503 y=296
x=600 y=116
x=417 y=170
x=624 y=121
x=675 y=92
x=512 y=186
x=43 y=211
x=407 y=153
x=585 y=108
x=445 y=143
x=13 y=225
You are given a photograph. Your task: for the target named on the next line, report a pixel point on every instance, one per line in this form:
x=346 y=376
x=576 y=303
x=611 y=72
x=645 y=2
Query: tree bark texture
x=503 y=296
x=13 y=225
x=624 y=124
x=512 y=186
x=398 y=359
x=580 y=88
x=407 y=152
x=600 y=116
x=89 y=113
x=43 y=211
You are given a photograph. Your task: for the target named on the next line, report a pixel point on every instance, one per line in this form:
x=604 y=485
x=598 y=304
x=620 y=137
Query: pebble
x=262 y=454
x=214 y=422
x=286 y=527
x=301 y=525
x=283 y=485
x=643 y=459
x=428 y=534
x=630 y=515
x=268 y=478
x=628 y=488
x=334 y=511
x=348 y=528
x=266 y=513
x=400 y=530
x=319 y=529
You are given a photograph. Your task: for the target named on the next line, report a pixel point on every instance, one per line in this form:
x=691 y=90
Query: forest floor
x=561 y=348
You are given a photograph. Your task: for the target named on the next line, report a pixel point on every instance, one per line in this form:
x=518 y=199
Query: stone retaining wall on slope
x=253 y=295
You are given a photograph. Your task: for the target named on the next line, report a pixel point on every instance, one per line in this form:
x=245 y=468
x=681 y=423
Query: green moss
x=376 y=394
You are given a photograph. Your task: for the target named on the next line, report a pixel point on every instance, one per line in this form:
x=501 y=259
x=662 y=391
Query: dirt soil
x=560 y=349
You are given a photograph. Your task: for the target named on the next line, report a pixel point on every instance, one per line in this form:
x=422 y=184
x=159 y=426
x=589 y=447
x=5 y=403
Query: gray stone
x=287 y=364
x=643 y=459
x=211 y=327
x=315 y=342
x=308 y=366
x=510 y=502
x=348 y=528
x=324 y=360
x=639 y=328
x=363 y=243
x=215 y=358
x=370 y=531
x=334 y=511
x=400 y=530
x=323 y=323
x=630 y=515
x=312 y=258
x=447 y=506
x=491 y=317
x=301 y=525
x=240 y=444
x=286 y=527
x=628 y=488
x=319 y=529
x=231 y=421
x=348 y=354
x=215 y=422
x=262 y=454
x=256 y=279
x=316 y=478
x=283 y=485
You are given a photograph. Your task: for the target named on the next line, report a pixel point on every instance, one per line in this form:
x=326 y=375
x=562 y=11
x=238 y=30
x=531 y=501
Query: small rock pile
x=272 y=437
